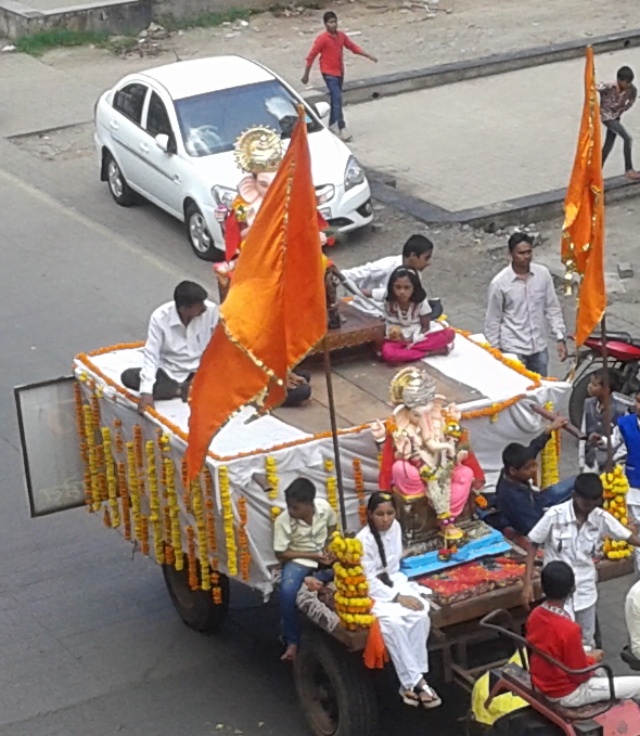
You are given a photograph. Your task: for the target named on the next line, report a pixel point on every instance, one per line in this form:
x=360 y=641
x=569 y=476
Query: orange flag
x=275 y=312
x=583 y=229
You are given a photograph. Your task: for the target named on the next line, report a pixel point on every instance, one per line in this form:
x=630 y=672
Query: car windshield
x=210 y=123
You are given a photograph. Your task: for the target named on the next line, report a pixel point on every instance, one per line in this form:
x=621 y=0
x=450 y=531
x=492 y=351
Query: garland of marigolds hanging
x=550 y=457
x=616 y=487
x=332 y=485
x=353 y=604
x=273 y=483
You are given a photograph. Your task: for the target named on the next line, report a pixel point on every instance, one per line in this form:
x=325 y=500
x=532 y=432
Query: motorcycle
x=623 y=356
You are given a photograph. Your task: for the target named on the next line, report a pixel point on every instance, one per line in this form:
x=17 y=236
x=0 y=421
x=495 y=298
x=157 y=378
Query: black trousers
x=299 y=394
x=614 y=129
x=163 y=388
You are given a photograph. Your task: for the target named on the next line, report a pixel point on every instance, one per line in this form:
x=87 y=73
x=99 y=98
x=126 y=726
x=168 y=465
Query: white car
x=168 y=134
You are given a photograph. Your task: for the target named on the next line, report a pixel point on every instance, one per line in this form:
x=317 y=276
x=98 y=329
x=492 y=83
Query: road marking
x=87 y=222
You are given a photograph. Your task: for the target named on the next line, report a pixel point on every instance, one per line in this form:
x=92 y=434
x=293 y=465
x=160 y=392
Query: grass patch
x=40 y=41
x=207 y=20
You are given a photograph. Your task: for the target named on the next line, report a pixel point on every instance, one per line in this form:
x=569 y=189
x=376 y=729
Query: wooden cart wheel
x=196 y=607
x=334 y=688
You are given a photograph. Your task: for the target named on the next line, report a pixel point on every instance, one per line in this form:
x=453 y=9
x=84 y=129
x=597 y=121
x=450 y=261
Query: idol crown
x=258 y=150
x=412 y=387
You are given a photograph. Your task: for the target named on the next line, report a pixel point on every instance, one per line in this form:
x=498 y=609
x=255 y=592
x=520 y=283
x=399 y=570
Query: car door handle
x=113 y=125
x=144 y=148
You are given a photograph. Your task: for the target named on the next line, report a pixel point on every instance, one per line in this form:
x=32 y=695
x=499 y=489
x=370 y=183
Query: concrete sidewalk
x=485 y=141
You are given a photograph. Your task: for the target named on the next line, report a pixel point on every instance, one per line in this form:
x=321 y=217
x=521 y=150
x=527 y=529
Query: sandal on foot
x=434 y=700
x=409 y=698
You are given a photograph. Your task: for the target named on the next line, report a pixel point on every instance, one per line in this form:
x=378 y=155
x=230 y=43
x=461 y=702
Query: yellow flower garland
x=94 y=485
x=201 y=532
x=174 y=512
x=332 y=485
x=112 y=486
x=155 y=513
x=353 y=604
x=549 y=458
x=360 y=491
x=134 y=490
x=616 y=487
x=273 y=483
x=227 y=520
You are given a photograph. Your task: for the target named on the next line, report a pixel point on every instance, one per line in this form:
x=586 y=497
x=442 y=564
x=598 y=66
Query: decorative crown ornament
x=412 y=387
x=258 y=150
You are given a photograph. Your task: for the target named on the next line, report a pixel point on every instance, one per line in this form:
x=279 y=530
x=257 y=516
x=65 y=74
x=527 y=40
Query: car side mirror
x=323 y=109
x=162 y=141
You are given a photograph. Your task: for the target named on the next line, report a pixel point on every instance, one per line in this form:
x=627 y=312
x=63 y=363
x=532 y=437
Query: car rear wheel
x=198 y=233
x=120 y=190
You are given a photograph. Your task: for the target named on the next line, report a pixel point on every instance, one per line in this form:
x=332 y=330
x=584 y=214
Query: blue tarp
x=491 y=544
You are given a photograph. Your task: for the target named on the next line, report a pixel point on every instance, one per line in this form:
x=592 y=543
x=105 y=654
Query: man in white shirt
x=632 y=617
x=522 y=302
x=372 y=278
x=574 y=532
x=179 y=331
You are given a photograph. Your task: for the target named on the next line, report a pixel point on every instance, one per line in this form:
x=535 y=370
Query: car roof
x=196 y=76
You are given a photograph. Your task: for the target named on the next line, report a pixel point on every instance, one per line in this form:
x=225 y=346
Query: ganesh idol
x=258 y=153
x=425 y=458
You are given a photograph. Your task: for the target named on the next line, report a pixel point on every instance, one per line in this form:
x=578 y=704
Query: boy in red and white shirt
x=553 y=631
x=330 y=46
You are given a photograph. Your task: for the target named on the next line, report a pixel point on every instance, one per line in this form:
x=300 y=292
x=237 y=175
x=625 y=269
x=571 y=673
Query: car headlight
x=325 y=193
x=353 y=174
x=223 y=195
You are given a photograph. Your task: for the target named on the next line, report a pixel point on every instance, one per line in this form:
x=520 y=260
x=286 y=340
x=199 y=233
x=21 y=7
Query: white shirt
x=519 y=309
x=632 y=617
x=563 y=540
x=372 y=562
x=297 y=535
x=409 y=322
x=374 y=276
x=172 y=346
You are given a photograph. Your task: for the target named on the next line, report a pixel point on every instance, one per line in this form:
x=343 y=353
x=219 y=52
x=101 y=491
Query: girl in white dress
x=401 y=607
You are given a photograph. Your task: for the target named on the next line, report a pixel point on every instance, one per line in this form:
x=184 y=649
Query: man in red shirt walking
x=553 y=631
x=330 y=45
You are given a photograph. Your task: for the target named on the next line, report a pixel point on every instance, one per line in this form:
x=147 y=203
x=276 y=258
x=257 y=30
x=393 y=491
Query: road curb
x=366 y=90
x=532 y=208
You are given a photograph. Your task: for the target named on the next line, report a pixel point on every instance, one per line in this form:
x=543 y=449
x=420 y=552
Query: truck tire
x=196 y=607
x=334 y=688
x=524 y=722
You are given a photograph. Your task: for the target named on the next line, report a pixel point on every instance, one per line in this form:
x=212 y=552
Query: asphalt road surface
x=89 y=639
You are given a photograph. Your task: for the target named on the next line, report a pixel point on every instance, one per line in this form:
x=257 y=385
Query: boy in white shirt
x=372 y=278
x=573 y=532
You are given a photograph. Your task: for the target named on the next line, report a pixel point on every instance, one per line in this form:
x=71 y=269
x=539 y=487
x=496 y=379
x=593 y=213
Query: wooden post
x=334 y=434
x=607 y=393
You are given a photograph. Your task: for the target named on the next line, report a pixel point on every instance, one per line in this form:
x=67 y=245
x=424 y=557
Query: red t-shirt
x=330 y=47
x=560 y=638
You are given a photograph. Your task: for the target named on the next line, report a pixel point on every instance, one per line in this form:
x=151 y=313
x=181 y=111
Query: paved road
x=90 y=642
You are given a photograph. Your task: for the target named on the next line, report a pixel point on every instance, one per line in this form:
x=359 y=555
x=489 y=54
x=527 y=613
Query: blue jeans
x=538 y=362
x=334 y=85
x=557 y=493
x=293 y=575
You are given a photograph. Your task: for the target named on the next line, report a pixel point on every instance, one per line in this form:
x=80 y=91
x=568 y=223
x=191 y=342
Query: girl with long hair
x=409 y=332
x=401 y=607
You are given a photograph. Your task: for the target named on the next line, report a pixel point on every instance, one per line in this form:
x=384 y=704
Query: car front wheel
x=198 y=233
x=120 y=190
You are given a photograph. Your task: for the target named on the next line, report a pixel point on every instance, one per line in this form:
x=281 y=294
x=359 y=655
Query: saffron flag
x=275 y=312
x=583 y=229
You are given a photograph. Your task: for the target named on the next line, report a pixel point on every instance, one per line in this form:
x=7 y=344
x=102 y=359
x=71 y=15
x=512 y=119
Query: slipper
x=434 y=701
x=408 y=698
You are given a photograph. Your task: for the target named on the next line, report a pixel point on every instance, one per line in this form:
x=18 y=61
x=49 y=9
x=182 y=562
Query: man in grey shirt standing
x=522 y=306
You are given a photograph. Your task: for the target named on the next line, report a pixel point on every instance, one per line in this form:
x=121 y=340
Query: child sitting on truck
x=553 y=631
x=300 y=537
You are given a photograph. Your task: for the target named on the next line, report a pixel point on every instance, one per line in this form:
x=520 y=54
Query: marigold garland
x=332 y=485
x=79 y=411
x=174 y=512
x=227 y=520
x=144 y=532
x=352 y=601
x=212 y=540
x=155 y=513
x=94 y=482
x=112 y=484
x=138 y=446
x=192 y=563
x=360 y=490
x=549 y=458
x=243 y=538
x=201 y=533
x=169 y=554
x=273 y=484
x=134 y=490
x=616 y=487
x=216 y=589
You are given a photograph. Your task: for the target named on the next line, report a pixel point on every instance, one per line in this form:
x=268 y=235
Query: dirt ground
x=407 y=34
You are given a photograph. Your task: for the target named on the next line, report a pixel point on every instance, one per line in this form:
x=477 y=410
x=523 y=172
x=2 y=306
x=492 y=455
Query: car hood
x=329 y=158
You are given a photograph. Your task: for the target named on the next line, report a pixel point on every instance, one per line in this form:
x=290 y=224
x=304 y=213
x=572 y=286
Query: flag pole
x=334 y=432
x=607 y=394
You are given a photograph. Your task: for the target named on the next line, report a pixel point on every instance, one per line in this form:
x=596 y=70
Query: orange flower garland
x=212 y=541
x=243 y=538
x=123 y=491
x=192 y=563
x=360 y=491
